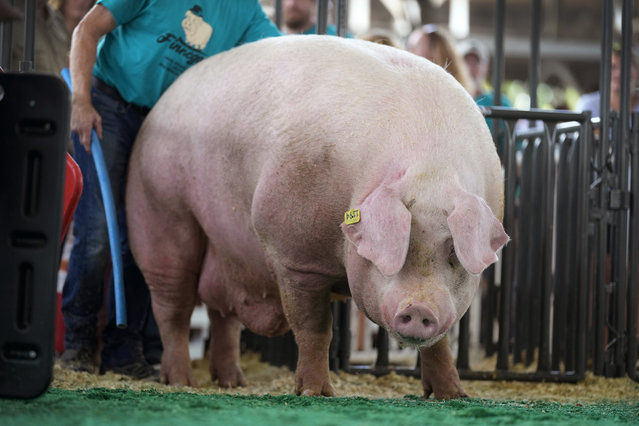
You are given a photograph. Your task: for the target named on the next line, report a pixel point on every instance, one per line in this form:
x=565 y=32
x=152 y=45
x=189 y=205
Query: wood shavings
x=265 y=379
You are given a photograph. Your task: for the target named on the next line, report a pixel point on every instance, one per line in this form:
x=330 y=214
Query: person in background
x=380 y=38
x=592 y=101
x=52 y=40
x=476 y=56
x=299 y=17
x=124 y=55
x=73 y=11
x=9 y=13
x=54 y=25
x=435 y=44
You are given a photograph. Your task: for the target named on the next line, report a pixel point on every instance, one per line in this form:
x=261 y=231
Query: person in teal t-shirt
x=299 y=18
x=124 y=55
x=477 y=58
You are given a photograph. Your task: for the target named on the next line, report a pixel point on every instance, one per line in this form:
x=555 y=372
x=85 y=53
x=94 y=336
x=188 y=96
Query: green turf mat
x=106 y=406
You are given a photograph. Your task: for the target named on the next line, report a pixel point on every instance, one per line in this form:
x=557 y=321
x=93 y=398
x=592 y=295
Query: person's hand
x=84 y=118
x=9 y=12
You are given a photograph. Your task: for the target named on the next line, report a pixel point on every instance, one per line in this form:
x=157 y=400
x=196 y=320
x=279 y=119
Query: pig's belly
x=243 y=287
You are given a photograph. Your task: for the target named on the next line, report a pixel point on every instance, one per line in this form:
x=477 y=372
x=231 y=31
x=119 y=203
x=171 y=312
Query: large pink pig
x=241 y=177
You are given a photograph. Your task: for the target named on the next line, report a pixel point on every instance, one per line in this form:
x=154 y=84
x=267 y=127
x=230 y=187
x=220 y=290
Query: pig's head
x=415 y=257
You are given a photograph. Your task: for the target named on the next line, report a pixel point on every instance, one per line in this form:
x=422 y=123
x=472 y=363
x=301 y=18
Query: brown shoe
x=80 y=360
x=140 y=370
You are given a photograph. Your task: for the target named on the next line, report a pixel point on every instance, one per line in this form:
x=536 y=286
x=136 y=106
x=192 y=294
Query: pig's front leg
x=306 y=303
x=439 y=374
x=224 y=351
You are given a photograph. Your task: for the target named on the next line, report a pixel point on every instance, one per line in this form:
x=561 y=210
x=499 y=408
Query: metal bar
x=28 y=62
x=336 y=344
x=604 y=73
x=547 y=279
x=532 y=376
x=488 y=314
x=6 y=40
x=342 y=18
x=633 y=291
x=382 y=348
x=564 y=237
x=621 y=241
x=344 y=351
x=509 y=155
x=530 y=274
x=534 y=62
x=533 y=114
x=322 y=16
x=464 y=341
x=526 y=256
x=551 y=376
x=570 y=279
x=583 y=215
x=601 y=238
x=278 y=13
x=571 y=283
x=498 y=58
x=508 y=253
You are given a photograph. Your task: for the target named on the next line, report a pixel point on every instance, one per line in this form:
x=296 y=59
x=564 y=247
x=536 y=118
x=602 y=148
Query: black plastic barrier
x=34 y=130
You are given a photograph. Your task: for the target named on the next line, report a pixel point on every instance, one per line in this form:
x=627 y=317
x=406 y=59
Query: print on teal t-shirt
x=142 y=64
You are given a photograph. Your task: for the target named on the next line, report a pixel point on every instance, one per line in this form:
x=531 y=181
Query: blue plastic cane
x=112 y=223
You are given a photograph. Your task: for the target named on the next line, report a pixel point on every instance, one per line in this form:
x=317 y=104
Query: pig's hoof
x=234 y=382
x=325 y=390
x=452 y=393
x=180 y=380
x=229 y=379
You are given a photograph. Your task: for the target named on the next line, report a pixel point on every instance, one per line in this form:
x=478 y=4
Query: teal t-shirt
x=157 y=40
x=488 y=99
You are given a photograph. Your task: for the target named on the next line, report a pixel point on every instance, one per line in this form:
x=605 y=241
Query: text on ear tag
x=352 y=216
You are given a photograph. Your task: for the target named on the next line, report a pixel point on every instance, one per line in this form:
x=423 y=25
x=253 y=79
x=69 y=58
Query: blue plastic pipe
x=112 y=223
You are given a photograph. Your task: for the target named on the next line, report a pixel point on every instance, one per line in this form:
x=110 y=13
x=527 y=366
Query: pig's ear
x=477 y=234
x=383 y=232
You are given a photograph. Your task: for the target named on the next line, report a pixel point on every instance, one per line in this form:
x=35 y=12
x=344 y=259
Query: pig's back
x=302 y=123
x=293 y=96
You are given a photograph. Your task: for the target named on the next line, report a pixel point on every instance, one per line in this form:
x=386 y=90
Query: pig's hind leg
x=168 y=247
x=225 y=328
x=224 y=350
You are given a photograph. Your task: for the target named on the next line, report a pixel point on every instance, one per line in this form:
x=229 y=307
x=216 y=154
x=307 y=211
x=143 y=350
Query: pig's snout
x=417 y=322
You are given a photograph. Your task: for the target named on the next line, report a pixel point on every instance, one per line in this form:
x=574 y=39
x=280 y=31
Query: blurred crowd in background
x=560 y=87
x=570 y=39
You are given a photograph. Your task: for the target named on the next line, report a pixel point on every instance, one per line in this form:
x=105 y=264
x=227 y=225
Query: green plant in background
x=548 y=97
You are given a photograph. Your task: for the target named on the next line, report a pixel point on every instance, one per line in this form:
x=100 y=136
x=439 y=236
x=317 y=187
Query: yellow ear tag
x=352 y=216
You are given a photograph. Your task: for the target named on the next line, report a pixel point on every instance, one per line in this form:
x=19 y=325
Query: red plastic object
x=72 y=192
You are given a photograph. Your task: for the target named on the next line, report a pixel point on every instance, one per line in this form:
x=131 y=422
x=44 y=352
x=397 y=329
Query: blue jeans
x=90 y=259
